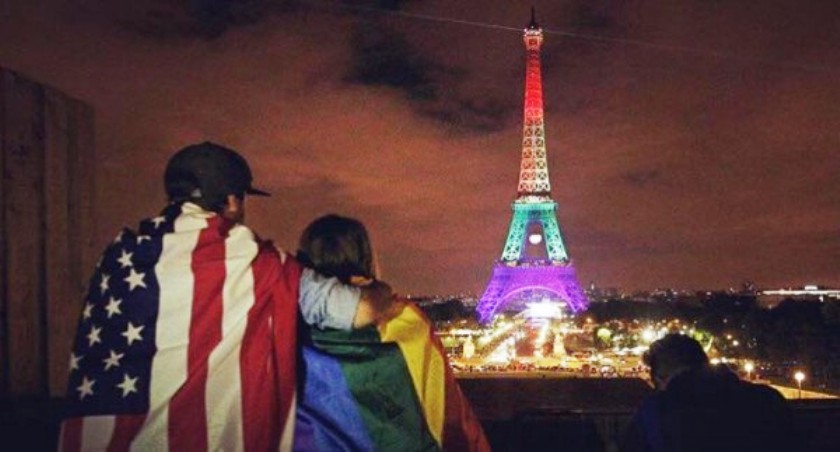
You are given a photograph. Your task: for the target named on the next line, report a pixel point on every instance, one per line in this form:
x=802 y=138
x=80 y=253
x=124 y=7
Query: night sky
x=691 y=143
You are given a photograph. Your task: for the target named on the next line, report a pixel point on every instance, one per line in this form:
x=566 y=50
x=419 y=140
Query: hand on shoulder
x=378 y=303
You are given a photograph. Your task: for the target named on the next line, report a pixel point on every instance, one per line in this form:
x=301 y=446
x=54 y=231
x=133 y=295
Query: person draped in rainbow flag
x=384 y=387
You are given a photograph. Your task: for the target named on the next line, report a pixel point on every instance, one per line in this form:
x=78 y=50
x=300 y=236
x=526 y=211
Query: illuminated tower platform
x=534 y=265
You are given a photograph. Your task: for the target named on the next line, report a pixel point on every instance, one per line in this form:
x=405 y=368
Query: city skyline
x=689 y=145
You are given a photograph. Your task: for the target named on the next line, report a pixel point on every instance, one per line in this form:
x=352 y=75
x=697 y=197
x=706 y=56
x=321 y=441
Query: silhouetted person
x=700 y=407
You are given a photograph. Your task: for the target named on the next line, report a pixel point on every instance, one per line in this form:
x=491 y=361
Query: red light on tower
x=533 y=172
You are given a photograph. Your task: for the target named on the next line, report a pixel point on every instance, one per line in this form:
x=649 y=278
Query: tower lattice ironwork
x=540 y=268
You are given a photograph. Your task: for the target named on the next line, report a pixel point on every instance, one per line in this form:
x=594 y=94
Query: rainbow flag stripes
x=385 y=388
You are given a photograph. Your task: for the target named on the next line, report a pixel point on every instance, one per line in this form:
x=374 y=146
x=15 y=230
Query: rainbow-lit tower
x=538 y=269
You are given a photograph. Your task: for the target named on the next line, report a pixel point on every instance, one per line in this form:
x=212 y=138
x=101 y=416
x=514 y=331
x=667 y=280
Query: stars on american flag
x=74 y=361
x=113 y=307
x=103 y=283
x=88 y=311
x=125 y=259
x=135 y=280
x=113 y=360
x=132 y=333
x=93 y=335
x=128 y=385
x=86 y=388
x=110 y=364
x=157 y=221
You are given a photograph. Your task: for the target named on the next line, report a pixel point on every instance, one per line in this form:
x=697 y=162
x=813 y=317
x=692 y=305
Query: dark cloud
x=384 y=57
x=195 y=19
x=387 y=5
x=380 y=55
x=642 y=178
x=477 y=115
x=591 y=14
x=211 y=19
x=214 y=17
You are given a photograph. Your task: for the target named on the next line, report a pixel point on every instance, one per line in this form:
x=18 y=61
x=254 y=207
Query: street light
x=799 y=376
x=749 y=368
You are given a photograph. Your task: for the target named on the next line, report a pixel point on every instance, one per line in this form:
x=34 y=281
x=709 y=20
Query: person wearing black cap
x=211 y=176
x=217 y=179
x=187 y=340
x=700 y=407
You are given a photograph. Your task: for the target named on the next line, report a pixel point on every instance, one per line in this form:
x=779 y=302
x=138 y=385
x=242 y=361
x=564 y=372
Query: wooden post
x=23 y=181
x=59 y=287
x=47 y=194
x=4 y=336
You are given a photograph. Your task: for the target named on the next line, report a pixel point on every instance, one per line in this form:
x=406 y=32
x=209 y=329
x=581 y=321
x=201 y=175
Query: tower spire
x=533 y=170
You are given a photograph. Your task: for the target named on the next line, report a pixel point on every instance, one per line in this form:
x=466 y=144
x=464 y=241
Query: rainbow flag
x=382 y=388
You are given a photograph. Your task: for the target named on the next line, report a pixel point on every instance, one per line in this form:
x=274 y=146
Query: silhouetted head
x=337 y=246
x=672 y=355
x=208 y=174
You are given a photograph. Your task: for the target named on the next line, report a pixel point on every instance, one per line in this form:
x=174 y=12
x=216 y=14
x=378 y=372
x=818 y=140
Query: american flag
x=186 y=341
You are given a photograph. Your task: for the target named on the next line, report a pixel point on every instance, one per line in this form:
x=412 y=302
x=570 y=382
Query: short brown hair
x=337 y=246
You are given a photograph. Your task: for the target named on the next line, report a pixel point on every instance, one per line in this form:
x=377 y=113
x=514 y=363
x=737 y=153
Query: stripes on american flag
x=186 y=341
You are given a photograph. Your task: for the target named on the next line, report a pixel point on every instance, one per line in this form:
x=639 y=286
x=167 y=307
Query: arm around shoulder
x=377 y=303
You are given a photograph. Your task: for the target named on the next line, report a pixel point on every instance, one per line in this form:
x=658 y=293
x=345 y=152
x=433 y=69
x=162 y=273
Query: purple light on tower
x=520 y=274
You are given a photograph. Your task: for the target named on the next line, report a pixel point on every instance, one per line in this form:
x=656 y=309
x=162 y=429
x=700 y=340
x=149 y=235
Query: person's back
x=709 y=410
x=700 y=407
x=160 y=361
x=382 y=388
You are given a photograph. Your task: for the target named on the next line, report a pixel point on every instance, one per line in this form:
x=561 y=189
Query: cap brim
x=255 y=192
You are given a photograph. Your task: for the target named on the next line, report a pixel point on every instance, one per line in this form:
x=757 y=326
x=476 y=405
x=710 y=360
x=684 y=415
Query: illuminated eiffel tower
x=539 y=269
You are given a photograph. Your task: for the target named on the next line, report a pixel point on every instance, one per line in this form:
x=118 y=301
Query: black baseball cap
x=208 y=172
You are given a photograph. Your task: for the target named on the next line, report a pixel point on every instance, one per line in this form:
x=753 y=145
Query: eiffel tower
x=540 y=269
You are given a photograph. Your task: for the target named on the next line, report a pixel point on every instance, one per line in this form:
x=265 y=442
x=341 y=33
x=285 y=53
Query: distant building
x=770 y=298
